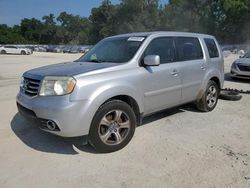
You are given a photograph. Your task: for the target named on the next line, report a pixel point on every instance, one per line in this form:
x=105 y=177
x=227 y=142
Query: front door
x=161 y=84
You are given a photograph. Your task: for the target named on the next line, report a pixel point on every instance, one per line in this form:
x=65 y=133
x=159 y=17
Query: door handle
x=175 y=72
x=203 y=67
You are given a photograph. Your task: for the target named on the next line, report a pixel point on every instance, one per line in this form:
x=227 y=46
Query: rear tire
x=210 y=97
x=112 y=127
x=3 y=52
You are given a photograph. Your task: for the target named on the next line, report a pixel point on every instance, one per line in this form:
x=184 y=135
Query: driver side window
x=164 y=47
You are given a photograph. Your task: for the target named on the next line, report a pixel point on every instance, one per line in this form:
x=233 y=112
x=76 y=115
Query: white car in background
x=15 y=50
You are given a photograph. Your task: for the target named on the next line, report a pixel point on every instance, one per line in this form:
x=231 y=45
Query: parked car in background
x=8 y=49
x=31 y=47
x=85 y=49
x=106 y=93
x=54 y=48
x=241 y=67
x=40 y=49
x=58 y=49
x=226 y=53
x=50 y=48
x=66 y=49
x=74 y=50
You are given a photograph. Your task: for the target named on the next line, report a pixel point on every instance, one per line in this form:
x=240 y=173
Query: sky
x=13 y=11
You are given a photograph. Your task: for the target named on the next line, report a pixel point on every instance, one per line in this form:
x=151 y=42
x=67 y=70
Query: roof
x=174 y=33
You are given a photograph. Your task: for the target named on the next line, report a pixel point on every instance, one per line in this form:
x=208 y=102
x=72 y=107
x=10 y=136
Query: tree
x=73 y=26
x=228 y=20
x=31 y=30
x=236 y=14
x=49 y=30
x=10 y=35
x=135 y=17
x=49 y=20
x=103 y=21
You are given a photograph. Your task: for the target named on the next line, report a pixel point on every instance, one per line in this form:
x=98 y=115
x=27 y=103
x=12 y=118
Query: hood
x=245 y=61
x=66 y=69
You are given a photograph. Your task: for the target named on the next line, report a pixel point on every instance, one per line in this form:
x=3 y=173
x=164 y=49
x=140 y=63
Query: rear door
x=161 y=84
x=193 y=66
x=10 y=49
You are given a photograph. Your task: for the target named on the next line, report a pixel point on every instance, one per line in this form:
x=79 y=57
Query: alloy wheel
x=211 y=98
x=114 y=127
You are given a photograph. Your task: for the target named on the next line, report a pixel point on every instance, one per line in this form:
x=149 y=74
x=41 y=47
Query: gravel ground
x=180 y=147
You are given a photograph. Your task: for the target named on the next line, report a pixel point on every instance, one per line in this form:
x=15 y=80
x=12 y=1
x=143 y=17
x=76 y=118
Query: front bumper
x=72 y=118
x=236 y=73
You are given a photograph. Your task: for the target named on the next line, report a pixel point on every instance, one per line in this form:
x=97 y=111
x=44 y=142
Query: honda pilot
x=105 y=94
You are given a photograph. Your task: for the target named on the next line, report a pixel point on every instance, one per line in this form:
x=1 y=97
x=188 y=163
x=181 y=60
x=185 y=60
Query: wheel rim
x=211 y=96
x=114 y=127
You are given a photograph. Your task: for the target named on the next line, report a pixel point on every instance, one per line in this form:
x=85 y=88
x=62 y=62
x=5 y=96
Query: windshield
x=247 y=55
x=114 y=50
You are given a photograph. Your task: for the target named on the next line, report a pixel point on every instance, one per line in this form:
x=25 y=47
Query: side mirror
x=152 y=60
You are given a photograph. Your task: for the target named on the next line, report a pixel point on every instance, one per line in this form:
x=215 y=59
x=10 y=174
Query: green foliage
x=31 y=29
x=103 y=21
x=73 y=28
x=228 y=20
x=135 y=17
x=10 y=35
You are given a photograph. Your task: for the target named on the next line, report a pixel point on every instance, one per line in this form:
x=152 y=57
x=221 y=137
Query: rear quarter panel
x=215 y=67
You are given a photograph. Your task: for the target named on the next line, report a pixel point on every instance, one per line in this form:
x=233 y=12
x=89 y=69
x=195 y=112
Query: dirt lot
x=180 y=147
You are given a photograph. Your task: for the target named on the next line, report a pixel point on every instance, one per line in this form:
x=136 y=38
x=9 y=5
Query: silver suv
x=104 y=94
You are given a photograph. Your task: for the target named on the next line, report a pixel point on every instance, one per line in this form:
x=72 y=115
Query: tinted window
x=10 y=47
x=164 y=47
x=211 y=47
x=188 y=48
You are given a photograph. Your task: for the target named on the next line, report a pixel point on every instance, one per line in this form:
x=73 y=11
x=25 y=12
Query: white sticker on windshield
x=137 y=39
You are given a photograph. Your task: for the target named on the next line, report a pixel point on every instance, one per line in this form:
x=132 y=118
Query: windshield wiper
x=95 y=61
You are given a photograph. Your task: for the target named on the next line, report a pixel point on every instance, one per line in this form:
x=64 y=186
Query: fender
x=103 y=93
x=212 y=72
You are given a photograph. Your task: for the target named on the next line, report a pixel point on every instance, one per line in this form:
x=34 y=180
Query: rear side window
x=10 y=47
x=188 y=48
x=212 y=48
x=164 y=47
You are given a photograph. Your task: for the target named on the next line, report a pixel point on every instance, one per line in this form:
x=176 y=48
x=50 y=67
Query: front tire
x=23 y=53
x=112 y=127
x=210 y=97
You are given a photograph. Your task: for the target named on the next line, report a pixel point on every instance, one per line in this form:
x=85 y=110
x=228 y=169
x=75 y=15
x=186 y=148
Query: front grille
x=244 y=67
x=31 y=86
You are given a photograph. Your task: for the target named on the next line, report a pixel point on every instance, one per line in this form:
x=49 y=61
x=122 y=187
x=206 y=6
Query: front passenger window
x=164 y=47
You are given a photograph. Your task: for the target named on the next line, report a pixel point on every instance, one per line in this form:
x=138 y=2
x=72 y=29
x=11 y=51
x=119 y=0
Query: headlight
x=233 y=66
x=21 y=83
x=55 y=85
